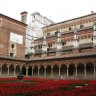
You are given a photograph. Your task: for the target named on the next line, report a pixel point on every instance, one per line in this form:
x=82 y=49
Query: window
x=50 y=45
x=70 y=29
x=56 y=33
x=12 y=46
x=34 y=16
x=11 y=54
x=63 y=43
x=81 y=26
x=38 y=46
x=89 y=36
x=48 y=34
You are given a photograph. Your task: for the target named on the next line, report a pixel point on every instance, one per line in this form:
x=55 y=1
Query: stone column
x=14 y=70
x=38 y=70
x=44 y=70
x=26 y=71
x=94 y=70
x=44 y=47
x=20 y=70
x=84 y=69
x=59 y=70
x=76 y=42
x=67 y=70
x=8 y=69
x=76 y=69
x=52 y=71
x=1 y=70
x=94 y=35
x=32 y=70
x=58 y=43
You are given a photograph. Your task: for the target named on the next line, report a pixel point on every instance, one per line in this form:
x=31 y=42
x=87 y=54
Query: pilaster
x=76 y=42
x=94 y=36
x=59 y=44
x=44 y=47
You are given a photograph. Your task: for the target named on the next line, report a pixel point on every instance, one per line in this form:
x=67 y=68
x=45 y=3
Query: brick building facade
x=12 y=37
x=67 y=50
x=67 y=37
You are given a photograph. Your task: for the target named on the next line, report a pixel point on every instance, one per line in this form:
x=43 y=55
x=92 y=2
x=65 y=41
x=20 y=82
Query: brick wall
x=8 y=26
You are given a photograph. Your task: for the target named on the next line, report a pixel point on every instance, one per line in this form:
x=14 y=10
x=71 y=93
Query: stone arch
x=63 y=70
x=35 y=71
x=30 y=70
x=4 y=69
x=94 y=68
x=11 y=69
x=55 y=70
x=89 y=68
x=48 y=70
x=41 y=70
x=80 y=69
x=17 y=69
x=23 y=70
x=71 y=70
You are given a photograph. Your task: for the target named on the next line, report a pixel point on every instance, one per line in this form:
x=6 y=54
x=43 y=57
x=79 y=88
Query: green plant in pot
x=20 y=76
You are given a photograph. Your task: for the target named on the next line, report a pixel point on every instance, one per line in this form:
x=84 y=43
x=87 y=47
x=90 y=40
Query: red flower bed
x=46 y=87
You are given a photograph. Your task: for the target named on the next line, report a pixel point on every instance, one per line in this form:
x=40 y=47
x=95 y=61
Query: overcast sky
x=57 y=10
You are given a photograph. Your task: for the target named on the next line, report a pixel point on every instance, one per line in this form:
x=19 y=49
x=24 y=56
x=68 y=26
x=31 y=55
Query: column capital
x=27 y=68
x=21 y=66
x=33 y=67
x=84 y=65
x=52 y=66
x=94 y=65
x=67 y=66
x=45 y=67
x=94 y=27
x=59 y=66
x=76 y=66
x=8 y=66
x=14 y=66
x=0 y=66
x=38 y=67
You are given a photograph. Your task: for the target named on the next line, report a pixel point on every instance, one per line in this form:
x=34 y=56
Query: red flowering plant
x=46 y=87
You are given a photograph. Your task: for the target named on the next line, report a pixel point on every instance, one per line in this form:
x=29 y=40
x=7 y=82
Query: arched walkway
x=11 y=69
x=23 y=70
x=89 y=69
x=30 y=71
x=55 y=71
x=4 y=69
x=35 y=71
x=72 y=71
x=63 y=70
x=48 y=70
x=80 y=69
x=17 y=69
x=41 y=70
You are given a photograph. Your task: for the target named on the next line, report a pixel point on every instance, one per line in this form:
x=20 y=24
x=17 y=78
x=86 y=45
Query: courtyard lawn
x=46 y=87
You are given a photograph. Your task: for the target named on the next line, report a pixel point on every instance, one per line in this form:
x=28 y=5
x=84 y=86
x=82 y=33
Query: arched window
x=39 y=46
x=70 y=29
x=48 y=34
x=12 y=46
x=81 y=26
x=63 y=43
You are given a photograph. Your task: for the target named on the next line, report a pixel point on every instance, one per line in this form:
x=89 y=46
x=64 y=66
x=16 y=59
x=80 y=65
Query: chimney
x=24 y=17
x=92 y=12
